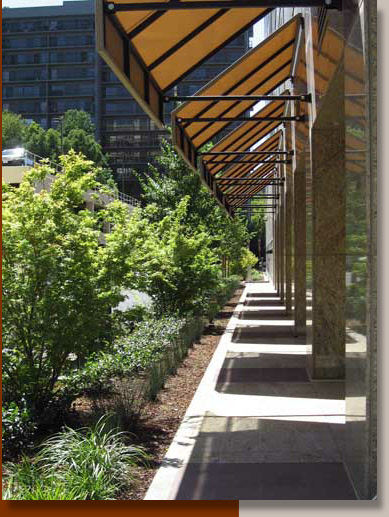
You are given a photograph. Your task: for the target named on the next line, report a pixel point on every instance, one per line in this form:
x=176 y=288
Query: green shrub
x=92 y=463
x=226 y=289
x=125 y=321
x=18 y=428
x=256 y=276
x=180 y=268
x=246 y=260
x=59 y=284
x=128 y=356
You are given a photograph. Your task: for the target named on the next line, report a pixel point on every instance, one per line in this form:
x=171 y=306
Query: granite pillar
x=328 y=230
x=274 y=258
x=299 y=249
x=288 y=218
x=281 y=243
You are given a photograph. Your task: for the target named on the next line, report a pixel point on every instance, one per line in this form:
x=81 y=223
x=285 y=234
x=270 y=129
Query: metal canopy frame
x=251 y=161
x=231 y=153
x=269 y=145
x=201 y=98
x=236 y=171
x=113 y=7
x=124 y=40
x=296 y=118
x=268 y=67
x=149 y=69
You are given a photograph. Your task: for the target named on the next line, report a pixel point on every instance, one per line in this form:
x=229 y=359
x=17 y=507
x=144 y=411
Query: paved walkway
x=258 y=428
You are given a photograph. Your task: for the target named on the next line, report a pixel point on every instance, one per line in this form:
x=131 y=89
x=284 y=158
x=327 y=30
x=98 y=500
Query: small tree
x=180 y=270
x=35 y=140
x=167 y=186
x=13 y=128
x=77 y=119
x=58 y=284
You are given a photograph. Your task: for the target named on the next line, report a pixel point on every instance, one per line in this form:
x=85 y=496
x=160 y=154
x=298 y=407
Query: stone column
x=328 y=229
x=281 y=243
x=299 y=248
x=288 y=217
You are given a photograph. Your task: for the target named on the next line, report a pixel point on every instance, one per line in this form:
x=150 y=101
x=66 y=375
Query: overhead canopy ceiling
x=258 y=72
x=252 y=172
x=151 y=51
x=243 y=138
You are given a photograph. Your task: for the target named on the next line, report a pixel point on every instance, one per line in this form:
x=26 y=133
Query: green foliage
x=165 y=187
x=248 y=259
x=78 y=135
x=225 y=290
x=256 y=276
x=128 y=355
x=17 y=427
x=46 y=144
x=92 y=463
x=356 y=241
x=58 y=284
x=77 y=119
x=82 y=142
x=34 y=139
x=180 y=268
x=13 y=128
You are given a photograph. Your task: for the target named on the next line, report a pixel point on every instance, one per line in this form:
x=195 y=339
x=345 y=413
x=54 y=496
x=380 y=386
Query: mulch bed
x=161 y=418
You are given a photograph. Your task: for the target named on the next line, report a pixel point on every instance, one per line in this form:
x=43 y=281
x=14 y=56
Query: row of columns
x=313 y=197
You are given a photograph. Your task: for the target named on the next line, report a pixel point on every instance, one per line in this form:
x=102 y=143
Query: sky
x=30 y=3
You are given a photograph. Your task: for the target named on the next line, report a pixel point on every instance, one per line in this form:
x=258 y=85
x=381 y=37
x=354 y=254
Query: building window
x=115 y=91
x=122 y=107
x=25 y=59
x=25 y=106
x=22 y=42
x=71 y=40
x=72 y=73
x=28 y=74
x=72 y=57
x=24 y=91
x=60 y=106
x=63 y=89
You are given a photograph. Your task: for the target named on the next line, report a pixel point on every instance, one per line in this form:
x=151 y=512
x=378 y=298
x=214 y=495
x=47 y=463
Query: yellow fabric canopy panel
x=151 y=51
x=259 y=72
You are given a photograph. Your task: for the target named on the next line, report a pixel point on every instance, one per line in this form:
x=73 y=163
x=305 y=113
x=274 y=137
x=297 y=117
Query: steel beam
x=112 y=7
x=191 y=120
x=230 y=153
x=243 y=180
x=253 y=196
x=217 y=98
x=231 y=162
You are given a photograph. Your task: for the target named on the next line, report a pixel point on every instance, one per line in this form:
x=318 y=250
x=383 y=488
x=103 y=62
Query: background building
x=50 y=65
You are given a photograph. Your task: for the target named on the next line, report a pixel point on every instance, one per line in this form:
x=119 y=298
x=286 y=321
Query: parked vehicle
x=17 y=156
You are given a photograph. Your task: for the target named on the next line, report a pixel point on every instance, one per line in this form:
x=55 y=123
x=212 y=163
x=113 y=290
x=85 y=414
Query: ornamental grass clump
x=90 y=463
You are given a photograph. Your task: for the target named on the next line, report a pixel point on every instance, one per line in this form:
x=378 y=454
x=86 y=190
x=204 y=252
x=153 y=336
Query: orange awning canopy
x=258 y=72
x=151 y=51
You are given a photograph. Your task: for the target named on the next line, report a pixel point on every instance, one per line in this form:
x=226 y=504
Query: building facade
x=322 y=239
x=50 y=65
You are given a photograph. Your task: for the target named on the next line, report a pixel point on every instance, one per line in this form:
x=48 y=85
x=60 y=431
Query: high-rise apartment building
x=50 y=65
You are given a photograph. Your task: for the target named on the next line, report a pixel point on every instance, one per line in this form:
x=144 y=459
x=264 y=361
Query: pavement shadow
x=265 y=459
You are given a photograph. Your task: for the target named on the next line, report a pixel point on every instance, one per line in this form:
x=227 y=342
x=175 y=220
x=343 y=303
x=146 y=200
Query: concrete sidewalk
x=258 y=428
